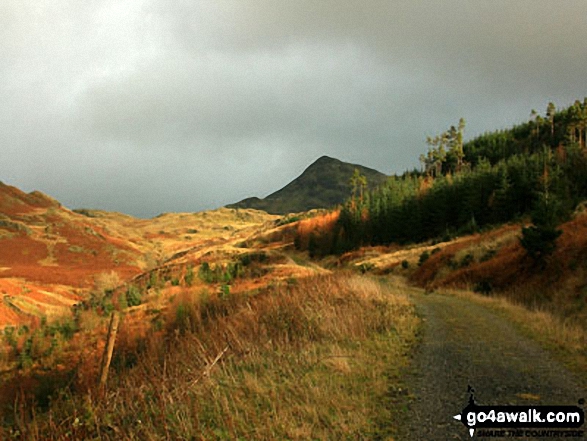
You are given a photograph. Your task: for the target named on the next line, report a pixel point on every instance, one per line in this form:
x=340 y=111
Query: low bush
x=423 y=258
x=134 y=296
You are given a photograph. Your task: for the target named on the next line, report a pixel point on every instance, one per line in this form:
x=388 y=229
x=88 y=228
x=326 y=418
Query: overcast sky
x=148 y=106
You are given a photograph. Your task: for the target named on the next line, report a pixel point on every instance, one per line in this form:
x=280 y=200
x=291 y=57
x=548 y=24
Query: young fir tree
x=539 y=239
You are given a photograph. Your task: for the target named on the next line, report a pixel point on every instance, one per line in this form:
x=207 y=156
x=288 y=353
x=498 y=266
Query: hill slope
x=324 y=184
x=52 y=257
x=48 y=254
x=42 y=241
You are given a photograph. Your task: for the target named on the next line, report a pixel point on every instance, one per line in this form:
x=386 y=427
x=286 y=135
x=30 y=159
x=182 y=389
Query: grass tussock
x=565 y=337
x=310 y=360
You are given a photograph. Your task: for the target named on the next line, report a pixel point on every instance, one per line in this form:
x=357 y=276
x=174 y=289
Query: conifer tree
x=550 y=111
x=358 y=184
x=539 y=239
x=538 y=120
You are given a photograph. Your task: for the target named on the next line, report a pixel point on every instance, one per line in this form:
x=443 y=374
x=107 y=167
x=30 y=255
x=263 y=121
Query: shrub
x=189 y=276
x=490 y=254
x=66 y=328
x=287 y=220
x=470 y=227
x=447 y=237
x=153 y=280
x=218 y=274
x=133 y=296
x=468 y=259
x=539 y=241
x=423 y=258
x=483 y=287
x=247 y=259
x=107 y=306
x=234 y=270
x=25 y=359
x=405 y=264
x=366 y=267
x=122 y=302
x=225 y=292
x=9 y=336
x=183 y=320
x=205 y=273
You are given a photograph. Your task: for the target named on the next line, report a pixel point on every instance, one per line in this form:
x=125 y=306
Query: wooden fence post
x=108 y=349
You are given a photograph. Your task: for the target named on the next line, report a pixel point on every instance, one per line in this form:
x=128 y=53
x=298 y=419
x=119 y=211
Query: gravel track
x=464 y=343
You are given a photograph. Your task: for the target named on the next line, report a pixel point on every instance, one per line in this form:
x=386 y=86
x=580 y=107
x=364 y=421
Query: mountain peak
x=325 y=158
x=323 y=184
x=324 y=161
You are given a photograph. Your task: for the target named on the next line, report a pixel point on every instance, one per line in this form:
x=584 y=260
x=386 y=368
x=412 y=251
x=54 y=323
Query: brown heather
x=310 y=359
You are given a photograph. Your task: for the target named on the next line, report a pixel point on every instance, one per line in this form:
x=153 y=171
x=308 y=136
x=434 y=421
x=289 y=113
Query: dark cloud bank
x=146 y=106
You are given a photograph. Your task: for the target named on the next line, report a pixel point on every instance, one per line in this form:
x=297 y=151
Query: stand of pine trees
x=502 y=182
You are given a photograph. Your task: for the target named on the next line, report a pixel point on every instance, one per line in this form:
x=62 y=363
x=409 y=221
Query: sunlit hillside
x=225 y=285
x=50 y=256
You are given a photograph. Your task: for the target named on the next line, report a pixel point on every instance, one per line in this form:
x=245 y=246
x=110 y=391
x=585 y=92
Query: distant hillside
x=51 y=257
x=42 y=241
x=323 y=184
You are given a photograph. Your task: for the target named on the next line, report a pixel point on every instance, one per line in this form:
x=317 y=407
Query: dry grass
x=166 y=234
x=495 y=263
x=310 y=360
x=319 y=227
x=565 y=337
x=382 y=259
x=55 y=246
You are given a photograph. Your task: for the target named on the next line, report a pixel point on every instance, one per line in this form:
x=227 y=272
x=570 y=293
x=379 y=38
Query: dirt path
x=463 y=344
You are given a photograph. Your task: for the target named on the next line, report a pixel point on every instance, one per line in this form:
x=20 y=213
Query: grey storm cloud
x=147 y=106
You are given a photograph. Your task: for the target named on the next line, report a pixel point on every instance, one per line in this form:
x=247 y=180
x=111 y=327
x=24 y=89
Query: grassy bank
x=311 y=359
x=565 y=338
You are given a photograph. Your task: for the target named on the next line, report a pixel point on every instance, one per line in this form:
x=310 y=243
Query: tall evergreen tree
x=539 y=239
x=550 y=112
